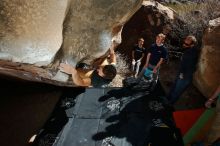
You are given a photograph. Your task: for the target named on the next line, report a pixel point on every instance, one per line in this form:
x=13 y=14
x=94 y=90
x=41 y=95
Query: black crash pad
x=110 y=117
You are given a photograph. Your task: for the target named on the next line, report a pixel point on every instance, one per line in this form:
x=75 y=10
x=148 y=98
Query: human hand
x=181 y=76
x=139 y=60
x=66 y=68
x=145 y=66
x=113 y=46
x=208 y=103
x=155 y=70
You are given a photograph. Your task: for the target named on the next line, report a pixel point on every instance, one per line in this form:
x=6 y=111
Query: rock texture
x=208 y=72
x=207 y=76
x=35 y=35
x=152 y=18
x=180 y=1
x=31 y=30
x=90 y=27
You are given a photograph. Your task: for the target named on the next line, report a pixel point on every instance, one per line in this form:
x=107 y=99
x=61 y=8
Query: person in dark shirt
x=137 y=55
x=100 y=76
x=155 y=57
x=186 y=70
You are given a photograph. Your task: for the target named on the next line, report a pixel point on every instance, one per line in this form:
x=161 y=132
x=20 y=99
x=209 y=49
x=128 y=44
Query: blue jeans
x=178 y=88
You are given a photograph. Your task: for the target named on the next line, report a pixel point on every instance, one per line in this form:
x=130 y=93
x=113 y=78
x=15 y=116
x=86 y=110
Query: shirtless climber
x=99 y=76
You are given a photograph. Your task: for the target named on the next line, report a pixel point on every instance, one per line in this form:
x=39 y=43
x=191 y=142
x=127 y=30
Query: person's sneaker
x=135 y=76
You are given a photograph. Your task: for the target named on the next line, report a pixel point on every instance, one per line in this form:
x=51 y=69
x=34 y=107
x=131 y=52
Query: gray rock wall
x=90 y=26
x=31 y=30
x=36 y=35
x=207 y=76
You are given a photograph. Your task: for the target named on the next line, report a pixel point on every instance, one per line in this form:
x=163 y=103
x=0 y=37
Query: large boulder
x=90 y=26
x=31 y=30
x=35 y=35
x=207 y=76
x=151 y=19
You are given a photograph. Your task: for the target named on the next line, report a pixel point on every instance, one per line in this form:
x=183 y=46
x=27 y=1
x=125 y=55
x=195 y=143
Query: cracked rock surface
x=36 y=35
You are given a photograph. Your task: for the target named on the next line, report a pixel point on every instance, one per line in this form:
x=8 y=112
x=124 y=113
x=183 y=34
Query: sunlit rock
x=31 y=30
x=36 y=35
x=90 y=26
x=207 y=77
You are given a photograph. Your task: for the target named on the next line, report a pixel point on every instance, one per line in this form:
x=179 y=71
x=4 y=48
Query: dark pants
x=178 y=88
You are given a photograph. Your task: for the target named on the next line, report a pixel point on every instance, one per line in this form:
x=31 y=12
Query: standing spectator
x=155 y=58
x=187 y=68
x=137 y=55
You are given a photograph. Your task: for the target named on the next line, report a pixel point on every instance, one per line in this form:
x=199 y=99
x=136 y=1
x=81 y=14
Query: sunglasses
x=187 y=44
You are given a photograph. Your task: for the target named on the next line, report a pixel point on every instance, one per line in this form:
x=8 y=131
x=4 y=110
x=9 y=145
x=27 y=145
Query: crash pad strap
x=204 y=118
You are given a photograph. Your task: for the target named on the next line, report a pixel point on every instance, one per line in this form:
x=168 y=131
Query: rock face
x=31 y=30
x=91 y=26
x=207 y=76
x=180 y=1
x=151 y=19
x=36 y=34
